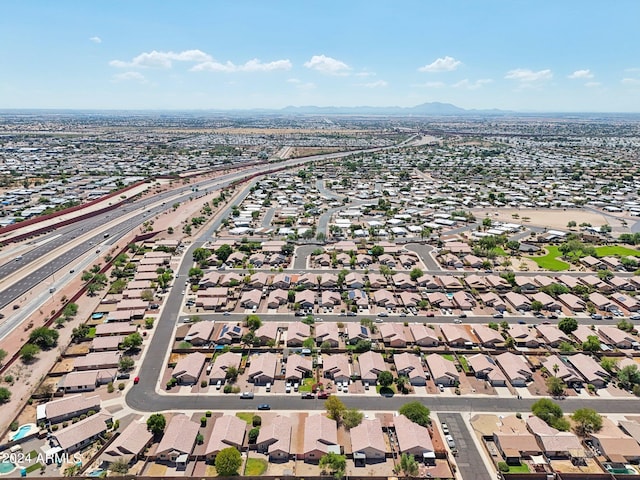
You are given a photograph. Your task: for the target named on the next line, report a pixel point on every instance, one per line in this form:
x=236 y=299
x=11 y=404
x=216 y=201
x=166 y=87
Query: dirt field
x=552 y=218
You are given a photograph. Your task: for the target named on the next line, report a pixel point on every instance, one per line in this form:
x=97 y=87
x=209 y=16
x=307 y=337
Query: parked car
x=323 y=395
x=462 y=315
x=264 y=406
x=136 y=380
x=383 y=314
x=123 y=376
x=457 y=320
x=246 y=395
x=498 y=315
x=450 y=441
x=445 y=428
x=441 y=387
x=308 y=396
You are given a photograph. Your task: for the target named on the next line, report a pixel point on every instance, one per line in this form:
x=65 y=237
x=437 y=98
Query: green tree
x=416 y=412
x=156 y=424
x=44 y=337
x=132 y=341
x=555 y=386
x=568 y=325
x=377 y=251
x=125 y=363
x=308 y=343
x=587 y=421
x=228 y=461
x=253 y=434
x=385 y=378
x=333 y=463
x=334 y=407
x=416 y=273
x=609 y=363
x=408 y=465
x=5 y=394
x=592 y=344
x=223 y=252
x=536 y=305
x=120 y=466
x=551 y=413
x=629 y=376
x=253 y=322
x=352 y=417
x=200 y=255
x=29 y=352
x=232 y=373
x=3 y=355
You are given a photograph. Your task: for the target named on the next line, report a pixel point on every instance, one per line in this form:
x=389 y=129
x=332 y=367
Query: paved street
x=469 y=459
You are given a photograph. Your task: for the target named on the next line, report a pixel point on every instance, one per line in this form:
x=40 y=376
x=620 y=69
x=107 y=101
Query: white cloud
x=254 y=65
x=445 y=64
x=581 y=74
x=430 y=85
x=328 y=65
x=376 y=84
x=469 y=85
x=592 y=84
x=365 y=74
x=96 y=39
x=155 y=59
x=631 y=81
x=294 y=80
x=525 y=75
x=129 y=76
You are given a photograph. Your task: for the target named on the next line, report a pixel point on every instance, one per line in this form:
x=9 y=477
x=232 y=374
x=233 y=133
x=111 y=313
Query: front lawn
x=307 y=385
x=464 y=364
x=449 y=357
x=255 y=466
x=246 y=416
x=550 y=260
x=616 y=250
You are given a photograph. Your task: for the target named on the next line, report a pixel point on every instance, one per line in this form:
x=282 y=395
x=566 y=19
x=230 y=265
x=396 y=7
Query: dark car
x=308 y=396
x=264 y=406
x=123 y=376
x=323 y=395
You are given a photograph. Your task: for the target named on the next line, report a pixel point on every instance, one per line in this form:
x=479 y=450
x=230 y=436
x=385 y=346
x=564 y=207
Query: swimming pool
x=6 y=467
x=96 y=473
x=97 y=316
x=23 y=431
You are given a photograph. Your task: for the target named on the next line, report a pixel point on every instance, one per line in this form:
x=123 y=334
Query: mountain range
x=429 y=108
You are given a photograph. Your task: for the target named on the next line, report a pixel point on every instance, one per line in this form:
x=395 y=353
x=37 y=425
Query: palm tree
x=555 y=369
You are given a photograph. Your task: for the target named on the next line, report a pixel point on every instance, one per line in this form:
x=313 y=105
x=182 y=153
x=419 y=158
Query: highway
x=91 y=233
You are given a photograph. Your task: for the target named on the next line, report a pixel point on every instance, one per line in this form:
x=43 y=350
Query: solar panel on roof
x=363 y=330
x=236 y=329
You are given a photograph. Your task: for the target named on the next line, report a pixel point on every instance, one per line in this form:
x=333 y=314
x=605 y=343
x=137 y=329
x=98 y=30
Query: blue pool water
x=96 y=473
x=21 y=432
x=97 y=316
x=6 y=467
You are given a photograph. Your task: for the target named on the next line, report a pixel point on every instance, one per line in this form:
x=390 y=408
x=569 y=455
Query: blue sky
x=538 y=55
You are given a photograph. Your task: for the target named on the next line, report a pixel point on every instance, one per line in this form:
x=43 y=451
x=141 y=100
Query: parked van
x=268 y=387
x=219 y=385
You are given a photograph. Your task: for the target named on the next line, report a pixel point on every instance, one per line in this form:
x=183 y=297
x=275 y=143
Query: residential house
x=561 y=369
x=518 y=301
x=368 y=439
x=67 y=407
x=488 y=337
x=515 y=368
x=188 y=369
x=129 y=445
x=251 y=299
x=227 y=333
x=484 y=367
x=199 y=333
x=547 y=301
x=328 y=332
x=615 y=444
x=81 y=434
x=626 y=301
x=384 y=298
x=221 y=365
x=573 y=303
x=356 y=332
x=228 y=431
x=410 y=365
x=297 y=333
x=463 y=300
x=443 y=371
x=178 y=440
x=439 y=300
x=393 y=334
x=320 y=438
x=413 y=439
x=497 y=283
x=589 y=369
x=554 y=443
x=267 y=333
x=306 y=299
x=298 y=367
x=527 y=284
x=276 y=298
x=514 y=441
x=524 y=336
x=97 y=361
x=457 y=335
x=612 y=335
x=371 y=365
x=490 y=299
x=552 y=335
x=423 y=336
x=274 y=439
x=336 y=367
x=263 y=368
